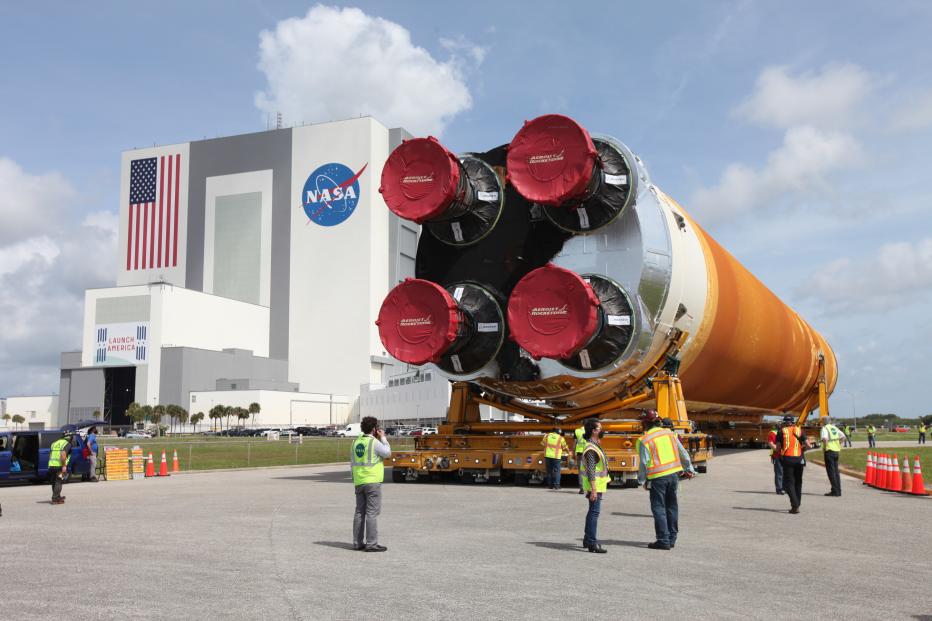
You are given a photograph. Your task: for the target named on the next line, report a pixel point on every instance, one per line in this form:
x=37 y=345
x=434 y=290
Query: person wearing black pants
x=791 y=442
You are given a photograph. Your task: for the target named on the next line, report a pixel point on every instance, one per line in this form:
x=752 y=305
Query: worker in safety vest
x=832 y=439
x=580 y=447
x=59 y=456
x=662 y=461
x=791 y=441
x=871 y=436
x=922 y=432
x=594 y=472
x=366 y=457
x=554 y=446
x=775 y=459
x=848 y=434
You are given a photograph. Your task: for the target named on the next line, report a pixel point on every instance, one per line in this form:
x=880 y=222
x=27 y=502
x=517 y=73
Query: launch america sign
x=331 y=193
x=122 y=344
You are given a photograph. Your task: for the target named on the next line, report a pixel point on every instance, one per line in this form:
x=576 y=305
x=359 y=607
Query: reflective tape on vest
x=664 y=453
x=553 y=446
x=366 y=464
x=791 y=444
x=580 y=441
x=834 y=438
x=601 y=469
x=55 y=453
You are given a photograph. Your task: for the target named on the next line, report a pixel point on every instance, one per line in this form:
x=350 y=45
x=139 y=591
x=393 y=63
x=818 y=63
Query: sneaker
x=581 y=492
x=658 y=546
x=375 y=548
x=597 y=549
x=794 y=510
x=780 y=492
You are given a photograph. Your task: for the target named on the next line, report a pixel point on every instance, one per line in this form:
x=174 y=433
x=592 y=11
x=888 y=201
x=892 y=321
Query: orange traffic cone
x=150 y=467
x=878 y=472
x=884 y=471
x=919 y=486
x=869 y=470
x=163 y=468
x=175 y=467
x=906 y=486
x=897 y=484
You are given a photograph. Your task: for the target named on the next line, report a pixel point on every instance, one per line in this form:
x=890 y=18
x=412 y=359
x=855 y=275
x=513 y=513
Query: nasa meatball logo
x=331 y=193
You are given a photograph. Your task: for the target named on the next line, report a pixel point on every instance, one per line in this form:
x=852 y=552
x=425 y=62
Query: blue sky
x=797 y=133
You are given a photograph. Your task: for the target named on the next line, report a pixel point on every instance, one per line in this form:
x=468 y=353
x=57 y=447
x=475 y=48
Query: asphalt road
x=275 y=544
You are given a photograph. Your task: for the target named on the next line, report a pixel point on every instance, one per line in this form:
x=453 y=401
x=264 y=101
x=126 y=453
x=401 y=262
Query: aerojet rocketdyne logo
x=331 y=193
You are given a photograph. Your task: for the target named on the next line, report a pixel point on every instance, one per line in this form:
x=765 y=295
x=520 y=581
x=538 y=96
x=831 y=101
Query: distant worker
x=775 y=459
x=91 y=443
x=922 y=432
x=667 y=423
x=662 y=460
x=832 y=438
x=578 y=449
x=791 y=441
x=871 y=436
x=59 y=458
x=595 y=481
x=555 y=446
x=369 y=450
x=848 y=433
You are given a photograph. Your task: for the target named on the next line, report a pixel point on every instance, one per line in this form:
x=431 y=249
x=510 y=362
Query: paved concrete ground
x=274 y=544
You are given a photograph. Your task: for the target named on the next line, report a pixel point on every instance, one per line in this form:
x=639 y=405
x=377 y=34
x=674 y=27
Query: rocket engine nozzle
x=460 y=329
x=583 y=183
x=459 y=200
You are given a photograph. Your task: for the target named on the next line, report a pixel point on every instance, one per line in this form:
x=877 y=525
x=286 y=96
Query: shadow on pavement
x=568 y=547
x=749 y=491
x=325 y=477
x=761 y=509
x=343 y=545
x=643 y=515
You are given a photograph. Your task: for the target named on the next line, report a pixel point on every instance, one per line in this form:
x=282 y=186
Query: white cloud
x=340 y=63
x=826 y=99
x=799 y=168
x=45 y=266
x=915 y=114
x=29 y=204
x=897 y=275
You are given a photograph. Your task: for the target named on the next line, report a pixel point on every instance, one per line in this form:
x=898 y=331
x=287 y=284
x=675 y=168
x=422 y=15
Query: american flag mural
x=152 y=230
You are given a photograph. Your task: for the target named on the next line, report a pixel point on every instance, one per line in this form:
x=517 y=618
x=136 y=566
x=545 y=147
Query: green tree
x=243 y=415
x=254 y=408
x=7 y=418
x=195 y=419
x=158 y=411
x=216 y=413
x=18 y=420
x=228 y=412
x=182 y=415
x=146 y=414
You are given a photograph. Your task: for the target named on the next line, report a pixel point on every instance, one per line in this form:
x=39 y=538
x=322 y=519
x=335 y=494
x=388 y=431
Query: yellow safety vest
x=664 y=454
x=871 y=430
x=922 y=428
x=580 y=441
x=554 y=445
x=834 y=441
x=366 y=463
x=55 y=453
x=601 y=469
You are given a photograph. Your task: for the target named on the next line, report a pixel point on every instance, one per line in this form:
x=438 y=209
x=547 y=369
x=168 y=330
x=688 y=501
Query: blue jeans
x=871 y=443
x=664 y=506
x=590 y=537
x=553 y=472
x=777 y=473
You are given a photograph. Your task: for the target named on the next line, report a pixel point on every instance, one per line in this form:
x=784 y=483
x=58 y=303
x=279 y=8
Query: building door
x=119 y=392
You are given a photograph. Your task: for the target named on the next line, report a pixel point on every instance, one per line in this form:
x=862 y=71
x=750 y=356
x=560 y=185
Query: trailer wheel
x=520 y=478
x=467 y=478
x=495 y=479
x=702 y=468
x=631 y=483
x=398 y=476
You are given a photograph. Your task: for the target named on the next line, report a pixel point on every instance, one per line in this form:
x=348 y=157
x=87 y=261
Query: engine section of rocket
x=553 y=269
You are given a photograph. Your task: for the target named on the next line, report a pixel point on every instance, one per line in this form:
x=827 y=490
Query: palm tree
x=7 y=418
x=228 y=411
x=19 y=420
x=146 y=413
x=195 y=419
x=243 y=415
x=254 y=408
x=216 y=413
x=158 y=411
x=182 y=415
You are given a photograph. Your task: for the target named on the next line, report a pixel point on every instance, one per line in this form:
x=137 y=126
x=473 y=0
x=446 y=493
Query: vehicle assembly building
x=248 y=268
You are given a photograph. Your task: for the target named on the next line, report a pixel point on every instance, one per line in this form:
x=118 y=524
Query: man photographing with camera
x=366 y=457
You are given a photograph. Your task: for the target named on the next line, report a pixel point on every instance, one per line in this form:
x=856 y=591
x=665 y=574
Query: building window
x=193 y=398
x=232 y=386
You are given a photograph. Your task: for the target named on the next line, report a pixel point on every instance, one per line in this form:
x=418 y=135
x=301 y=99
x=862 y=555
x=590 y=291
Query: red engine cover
x=418 y=321
x=552 y=312
x=419 y=179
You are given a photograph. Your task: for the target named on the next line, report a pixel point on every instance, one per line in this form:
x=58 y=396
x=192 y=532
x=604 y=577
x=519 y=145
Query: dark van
x=24 y=455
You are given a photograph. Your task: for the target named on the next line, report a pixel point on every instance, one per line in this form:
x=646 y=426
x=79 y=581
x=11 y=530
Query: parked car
x=901 y=428
x=132 y=434
x=289 y=432
x=350 y=431
x=24 y=455
x=428 y=431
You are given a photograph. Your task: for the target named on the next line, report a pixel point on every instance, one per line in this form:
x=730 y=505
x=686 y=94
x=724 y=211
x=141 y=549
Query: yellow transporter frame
x=487 y=451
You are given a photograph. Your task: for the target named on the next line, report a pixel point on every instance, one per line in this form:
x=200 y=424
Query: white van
x=351 y=431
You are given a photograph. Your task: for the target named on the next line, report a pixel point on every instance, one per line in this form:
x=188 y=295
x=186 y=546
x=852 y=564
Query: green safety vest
x=848 y=431
x=580 y=441
x=601 y=469
x=553 y=445
x=922 y=428
x=367 y=465
x=834 y=442
x=55 y=453
x=871 y=429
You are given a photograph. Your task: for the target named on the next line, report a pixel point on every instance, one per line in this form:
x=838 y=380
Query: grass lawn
x=861 y=436
x=856 y=458
x=211 y=453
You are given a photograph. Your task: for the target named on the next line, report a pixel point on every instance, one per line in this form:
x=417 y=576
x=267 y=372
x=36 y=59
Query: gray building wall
x=186 y=369
x=246 y=383
x=86 y=394
x=240 y=154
